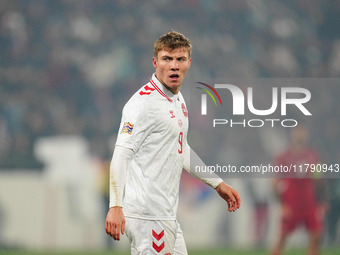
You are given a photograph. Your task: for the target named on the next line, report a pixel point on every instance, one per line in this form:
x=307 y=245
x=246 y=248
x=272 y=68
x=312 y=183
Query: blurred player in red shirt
x=300 y=194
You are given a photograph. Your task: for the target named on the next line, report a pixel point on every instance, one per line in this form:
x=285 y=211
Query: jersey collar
x=161 y=88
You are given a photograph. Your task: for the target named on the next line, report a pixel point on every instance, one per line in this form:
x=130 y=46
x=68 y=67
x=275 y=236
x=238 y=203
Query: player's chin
x=174 y=84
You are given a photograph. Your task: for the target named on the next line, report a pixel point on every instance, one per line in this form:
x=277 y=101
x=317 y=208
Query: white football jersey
x=154 y=125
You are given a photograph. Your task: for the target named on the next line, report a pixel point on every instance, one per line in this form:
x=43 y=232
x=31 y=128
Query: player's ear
x=154 y=62
x=189 y=63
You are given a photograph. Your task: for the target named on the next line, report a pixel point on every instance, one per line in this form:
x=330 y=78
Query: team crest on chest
x=172 y=115
x=184 y=109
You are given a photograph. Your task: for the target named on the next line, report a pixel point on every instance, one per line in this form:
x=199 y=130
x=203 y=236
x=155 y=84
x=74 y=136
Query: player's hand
x=115 y=222
x=230 y=195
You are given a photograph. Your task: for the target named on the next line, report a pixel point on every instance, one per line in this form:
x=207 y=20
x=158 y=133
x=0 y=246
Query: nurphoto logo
x=285 y=96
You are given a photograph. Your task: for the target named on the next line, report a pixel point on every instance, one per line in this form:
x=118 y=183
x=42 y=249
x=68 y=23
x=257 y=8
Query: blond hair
x=172 y=40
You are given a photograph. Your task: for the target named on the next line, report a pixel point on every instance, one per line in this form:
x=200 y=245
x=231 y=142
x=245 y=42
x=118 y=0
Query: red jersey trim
x=159 y=90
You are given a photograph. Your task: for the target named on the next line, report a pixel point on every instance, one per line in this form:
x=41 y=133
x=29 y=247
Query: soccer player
x=303 y=198
x=149 y=155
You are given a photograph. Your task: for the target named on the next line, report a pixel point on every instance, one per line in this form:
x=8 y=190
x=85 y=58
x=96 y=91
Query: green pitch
x=214 y=252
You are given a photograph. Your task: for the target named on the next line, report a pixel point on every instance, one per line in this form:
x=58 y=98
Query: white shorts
x=155 y=237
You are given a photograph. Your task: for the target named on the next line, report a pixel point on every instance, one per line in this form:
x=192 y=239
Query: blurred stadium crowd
x=68 y=66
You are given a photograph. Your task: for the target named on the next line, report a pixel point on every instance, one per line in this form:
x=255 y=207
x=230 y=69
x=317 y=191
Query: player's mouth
x=174 y=77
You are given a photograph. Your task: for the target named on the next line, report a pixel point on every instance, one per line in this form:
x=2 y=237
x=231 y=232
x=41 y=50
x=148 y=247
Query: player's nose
x=174 y=65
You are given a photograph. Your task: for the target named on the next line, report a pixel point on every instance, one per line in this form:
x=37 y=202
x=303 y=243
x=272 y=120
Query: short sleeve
x=136 y=123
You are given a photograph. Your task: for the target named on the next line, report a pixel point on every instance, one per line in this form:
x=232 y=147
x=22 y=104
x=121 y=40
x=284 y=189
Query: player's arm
x=230 y=195
x=115 y=220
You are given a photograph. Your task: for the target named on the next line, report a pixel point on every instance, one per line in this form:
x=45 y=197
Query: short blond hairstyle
x=172 y=40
